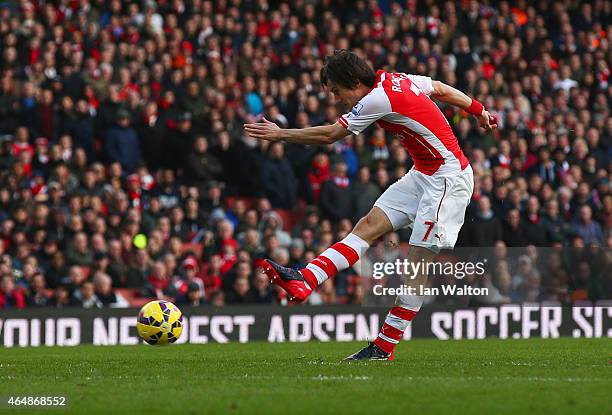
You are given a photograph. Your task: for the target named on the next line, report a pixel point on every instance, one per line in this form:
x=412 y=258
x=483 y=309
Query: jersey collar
x=379 y=74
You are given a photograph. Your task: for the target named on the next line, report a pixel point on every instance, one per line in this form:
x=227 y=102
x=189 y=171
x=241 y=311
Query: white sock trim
x=398 y=323
x=337 y=258
x=319 y=274
x=409 y=302
x=388 y=339
x=355 y=242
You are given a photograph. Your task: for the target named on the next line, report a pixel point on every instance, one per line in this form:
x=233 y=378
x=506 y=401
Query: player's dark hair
x=346 y=69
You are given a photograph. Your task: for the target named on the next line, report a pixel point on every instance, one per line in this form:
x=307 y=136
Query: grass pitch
x=429 y=376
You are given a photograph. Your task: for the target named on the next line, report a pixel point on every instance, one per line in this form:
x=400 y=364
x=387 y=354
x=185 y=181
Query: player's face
x=346 y=97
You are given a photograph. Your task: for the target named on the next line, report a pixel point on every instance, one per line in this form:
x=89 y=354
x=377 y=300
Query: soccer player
x=431 y=198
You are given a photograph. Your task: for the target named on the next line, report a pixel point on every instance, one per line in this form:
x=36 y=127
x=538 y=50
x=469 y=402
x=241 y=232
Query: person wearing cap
x=189 y=281
x=193 y=297
x=122 y=144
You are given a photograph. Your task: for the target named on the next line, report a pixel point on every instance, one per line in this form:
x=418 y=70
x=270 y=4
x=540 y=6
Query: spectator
x=62 y=298
x=212 y=275
x=179 y=142
x=545 y=168
x=201 y=166
x=261 y=292
x=553 y=223
x=189 y=277
x=78 y=252
x=151 y=134
x=158 y=281
x=318 y=174
x=365 y=193
x=103 y=286
x=240 y=292
x=56 y=270
x=82 y=129
x=217 y=299
x=513 y=230
x=85 y=296
x=588 y=229
x=272 y=224
x=485 y=229
x=336 y=194
x=194 y=297
x=167 y=190
x=277 y=178
x=532 y=220
x=122 y=143
x=38 y=296
x=11 y=296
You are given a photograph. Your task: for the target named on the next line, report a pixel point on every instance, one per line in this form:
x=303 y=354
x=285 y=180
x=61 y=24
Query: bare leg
x=373 y=225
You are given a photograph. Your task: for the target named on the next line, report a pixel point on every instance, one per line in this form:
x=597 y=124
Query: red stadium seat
x=132 y=296
x=139 y=302
x=248 y=201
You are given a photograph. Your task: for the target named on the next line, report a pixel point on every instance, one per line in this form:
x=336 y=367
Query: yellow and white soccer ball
x=160 y=322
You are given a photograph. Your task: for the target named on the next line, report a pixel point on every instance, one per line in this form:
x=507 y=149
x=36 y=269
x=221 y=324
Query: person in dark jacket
x=485 y=229
x=122 y=144
x=107 y=113
x=534 y=230
x=278 y=178
x=151 y=133
x=365 y=193
x=201 y=166
x=9 y=106
x=240 y=293
x=82 y=130
x=336 y=194
x=554 y=224
x=261 y=291
x=178 y=143
x=514 y=232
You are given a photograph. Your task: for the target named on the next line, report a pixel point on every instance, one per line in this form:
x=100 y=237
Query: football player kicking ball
x=431 y=198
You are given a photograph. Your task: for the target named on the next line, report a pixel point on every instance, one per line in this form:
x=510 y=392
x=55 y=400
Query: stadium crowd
x=121 y=118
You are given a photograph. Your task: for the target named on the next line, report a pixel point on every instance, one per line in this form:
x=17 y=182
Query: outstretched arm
x=452 y=96
x=324 y=134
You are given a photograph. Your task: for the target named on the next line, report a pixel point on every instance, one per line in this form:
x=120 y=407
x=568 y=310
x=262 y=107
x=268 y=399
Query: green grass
x=465 y=377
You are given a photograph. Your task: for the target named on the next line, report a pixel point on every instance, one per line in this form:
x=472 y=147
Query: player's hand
x=487 y=121
x=264 y=130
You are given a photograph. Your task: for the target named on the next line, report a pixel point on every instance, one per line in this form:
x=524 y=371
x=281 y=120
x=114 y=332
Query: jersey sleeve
x=424 y=83
x=370 y=109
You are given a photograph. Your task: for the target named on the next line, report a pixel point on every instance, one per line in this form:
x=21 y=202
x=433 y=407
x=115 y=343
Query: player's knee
x=361 y=225
x=365 y=224
x=367 y=228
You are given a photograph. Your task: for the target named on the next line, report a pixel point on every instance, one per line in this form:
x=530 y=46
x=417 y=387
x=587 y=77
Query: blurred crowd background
x=122 y=118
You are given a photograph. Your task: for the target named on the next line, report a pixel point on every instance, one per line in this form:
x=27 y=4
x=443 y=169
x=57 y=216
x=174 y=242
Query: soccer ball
x=160 y=322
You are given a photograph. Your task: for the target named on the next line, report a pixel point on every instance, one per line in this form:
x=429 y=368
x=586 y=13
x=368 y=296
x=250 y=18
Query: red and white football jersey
x=400 y=104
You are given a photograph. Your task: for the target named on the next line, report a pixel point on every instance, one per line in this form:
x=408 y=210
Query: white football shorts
x=433 y=206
